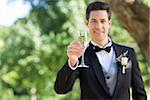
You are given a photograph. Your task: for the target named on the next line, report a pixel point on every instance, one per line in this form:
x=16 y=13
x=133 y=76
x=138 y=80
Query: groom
x=113 y=68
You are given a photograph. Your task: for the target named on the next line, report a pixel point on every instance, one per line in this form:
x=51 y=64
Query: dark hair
x=98 y=6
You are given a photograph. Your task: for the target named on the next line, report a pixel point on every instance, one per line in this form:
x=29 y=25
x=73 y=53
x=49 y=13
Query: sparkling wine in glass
x=83 y=40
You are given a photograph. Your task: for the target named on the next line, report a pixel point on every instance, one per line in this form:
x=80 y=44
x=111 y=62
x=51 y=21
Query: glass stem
x=82 y=59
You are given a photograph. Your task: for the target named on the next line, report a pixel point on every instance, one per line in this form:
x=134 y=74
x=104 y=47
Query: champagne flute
x=83 y=40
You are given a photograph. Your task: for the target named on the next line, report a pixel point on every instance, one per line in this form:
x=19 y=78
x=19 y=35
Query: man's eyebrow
x=99 y=19
x=93 y=19
x=103 y=19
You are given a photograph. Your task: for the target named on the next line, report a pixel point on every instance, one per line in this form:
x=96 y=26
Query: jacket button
x=107 y=77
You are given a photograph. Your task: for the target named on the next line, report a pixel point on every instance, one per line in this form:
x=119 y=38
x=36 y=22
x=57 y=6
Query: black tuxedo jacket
x=92 y=82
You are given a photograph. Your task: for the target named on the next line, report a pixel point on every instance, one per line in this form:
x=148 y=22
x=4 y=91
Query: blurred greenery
x=34 y=48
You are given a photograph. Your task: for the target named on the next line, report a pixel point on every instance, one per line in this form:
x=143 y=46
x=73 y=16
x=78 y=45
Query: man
x=113 y=68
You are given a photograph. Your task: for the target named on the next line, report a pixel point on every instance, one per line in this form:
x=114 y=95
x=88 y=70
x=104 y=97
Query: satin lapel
x=98 y=69
x=118 y=51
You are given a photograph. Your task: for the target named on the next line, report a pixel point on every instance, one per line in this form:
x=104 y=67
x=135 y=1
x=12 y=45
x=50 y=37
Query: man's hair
x=98 y=6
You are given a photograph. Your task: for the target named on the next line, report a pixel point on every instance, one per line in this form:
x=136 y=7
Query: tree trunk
x=134 y=16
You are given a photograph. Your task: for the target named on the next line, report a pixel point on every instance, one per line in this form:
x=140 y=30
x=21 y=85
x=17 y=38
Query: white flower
x=118 y=59
x=124 y=61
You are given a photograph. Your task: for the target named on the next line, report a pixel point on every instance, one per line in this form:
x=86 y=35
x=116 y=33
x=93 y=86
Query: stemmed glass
x=83 y=40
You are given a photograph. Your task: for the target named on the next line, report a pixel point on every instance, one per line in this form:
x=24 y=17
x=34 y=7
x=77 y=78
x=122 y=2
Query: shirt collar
x=107 y=45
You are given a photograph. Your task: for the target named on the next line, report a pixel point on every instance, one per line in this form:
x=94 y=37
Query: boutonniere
x=123 y=59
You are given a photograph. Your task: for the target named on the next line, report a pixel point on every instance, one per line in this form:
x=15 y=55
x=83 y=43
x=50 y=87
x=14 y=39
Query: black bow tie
x=97 y=49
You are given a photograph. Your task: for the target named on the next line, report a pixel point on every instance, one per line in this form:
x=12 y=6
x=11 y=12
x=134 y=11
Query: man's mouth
x=97 y=32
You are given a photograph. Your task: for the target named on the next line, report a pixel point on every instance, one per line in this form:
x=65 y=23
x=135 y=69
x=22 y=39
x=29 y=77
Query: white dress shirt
x=104 y=57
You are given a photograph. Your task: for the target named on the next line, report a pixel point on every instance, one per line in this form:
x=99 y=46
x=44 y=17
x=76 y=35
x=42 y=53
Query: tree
x=134 y=16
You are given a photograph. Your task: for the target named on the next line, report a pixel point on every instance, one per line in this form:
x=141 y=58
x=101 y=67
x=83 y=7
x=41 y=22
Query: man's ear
x=86 y=23
x=110 y=22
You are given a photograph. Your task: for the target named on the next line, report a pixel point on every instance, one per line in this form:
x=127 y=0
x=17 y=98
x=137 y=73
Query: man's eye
x=93 y=21
x=103 y=21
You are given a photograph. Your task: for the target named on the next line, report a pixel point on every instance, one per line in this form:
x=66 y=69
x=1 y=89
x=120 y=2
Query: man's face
x=98 y=25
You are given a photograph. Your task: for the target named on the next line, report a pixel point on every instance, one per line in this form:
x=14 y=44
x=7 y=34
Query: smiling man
x=113 y=68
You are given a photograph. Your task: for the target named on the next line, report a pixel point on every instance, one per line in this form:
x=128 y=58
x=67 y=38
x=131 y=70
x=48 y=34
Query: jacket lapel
x=97 y=68
x=118 y=51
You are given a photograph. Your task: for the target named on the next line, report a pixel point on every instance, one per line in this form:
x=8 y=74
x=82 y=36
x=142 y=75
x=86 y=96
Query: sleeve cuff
x=73 y=67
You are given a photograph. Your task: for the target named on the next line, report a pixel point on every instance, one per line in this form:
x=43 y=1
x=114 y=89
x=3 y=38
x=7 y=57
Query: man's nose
x=99 y=25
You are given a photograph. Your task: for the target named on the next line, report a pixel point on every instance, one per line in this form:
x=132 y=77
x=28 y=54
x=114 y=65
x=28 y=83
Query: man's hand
x=74 y=51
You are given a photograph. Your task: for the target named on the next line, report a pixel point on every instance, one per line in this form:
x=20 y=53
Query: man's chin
x=101 y=37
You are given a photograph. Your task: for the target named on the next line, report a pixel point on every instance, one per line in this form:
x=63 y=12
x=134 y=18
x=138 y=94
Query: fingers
x=75 y=49
x=76 y=43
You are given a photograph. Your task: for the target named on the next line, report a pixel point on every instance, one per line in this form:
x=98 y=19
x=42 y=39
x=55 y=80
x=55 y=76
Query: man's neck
x=103 y=42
